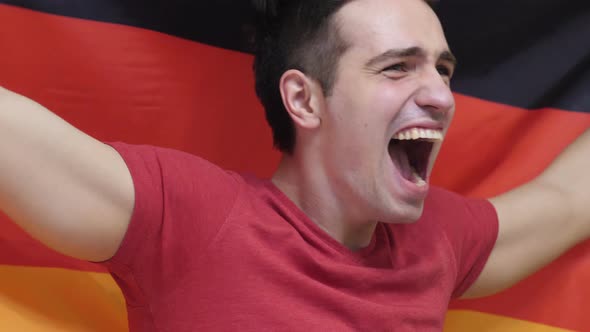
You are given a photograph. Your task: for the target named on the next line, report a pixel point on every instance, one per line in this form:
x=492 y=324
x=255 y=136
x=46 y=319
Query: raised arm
x=66 y=189
x=540 y=220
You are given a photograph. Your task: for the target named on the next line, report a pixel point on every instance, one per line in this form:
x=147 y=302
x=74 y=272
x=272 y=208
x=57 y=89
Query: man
x=347 y=235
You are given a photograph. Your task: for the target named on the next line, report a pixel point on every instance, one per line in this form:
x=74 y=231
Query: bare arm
x=540 y=220
x=66 y=189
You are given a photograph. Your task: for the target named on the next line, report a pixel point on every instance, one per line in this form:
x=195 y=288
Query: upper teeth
x=419 y=133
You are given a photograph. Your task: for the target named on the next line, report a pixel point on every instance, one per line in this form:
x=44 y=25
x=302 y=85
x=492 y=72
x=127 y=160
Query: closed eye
x=445 y=71
x=398 y=70
x=402 y=66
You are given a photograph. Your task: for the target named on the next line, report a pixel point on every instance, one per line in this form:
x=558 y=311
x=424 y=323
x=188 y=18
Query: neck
x=309 y=187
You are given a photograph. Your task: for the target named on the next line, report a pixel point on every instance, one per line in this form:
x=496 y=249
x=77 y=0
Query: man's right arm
x=68 y=190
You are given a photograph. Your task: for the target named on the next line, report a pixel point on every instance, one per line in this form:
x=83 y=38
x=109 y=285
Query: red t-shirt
x=212 y=250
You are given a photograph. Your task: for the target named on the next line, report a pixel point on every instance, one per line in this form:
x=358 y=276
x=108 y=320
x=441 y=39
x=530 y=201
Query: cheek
x=345 y=120
x=451 y=115
x=393 y=92
x=357 y=122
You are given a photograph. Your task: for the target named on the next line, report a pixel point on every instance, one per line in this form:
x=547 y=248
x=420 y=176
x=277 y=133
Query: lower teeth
x=418 y=179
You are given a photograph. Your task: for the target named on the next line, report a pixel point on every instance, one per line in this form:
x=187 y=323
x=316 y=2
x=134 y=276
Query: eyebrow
x=409 y=52
x=448 y=56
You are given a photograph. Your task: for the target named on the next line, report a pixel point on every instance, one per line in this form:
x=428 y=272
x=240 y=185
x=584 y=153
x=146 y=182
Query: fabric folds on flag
x=177 y=74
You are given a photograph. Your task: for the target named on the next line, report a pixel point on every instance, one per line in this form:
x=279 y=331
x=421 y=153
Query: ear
x=301 y=97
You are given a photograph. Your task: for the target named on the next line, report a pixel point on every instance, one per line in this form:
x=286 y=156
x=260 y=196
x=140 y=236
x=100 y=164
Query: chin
x=405 y=214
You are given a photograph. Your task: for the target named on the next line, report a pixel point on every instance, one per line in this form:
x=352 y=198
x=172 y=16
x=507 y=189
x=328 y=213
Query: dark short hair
x=294 y=34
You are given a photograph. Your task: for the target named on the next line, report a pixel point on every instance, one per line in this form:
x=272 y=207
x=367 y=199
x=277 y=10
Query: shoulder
x=149 y=153
x=465 y=222
x=170 y=163
x=178 y=180
x=443 y=204
x=185 y=195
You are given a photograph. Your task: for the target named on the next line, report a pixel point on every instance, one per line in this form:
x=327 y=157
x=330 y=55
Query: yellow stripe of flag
x=35 y=299
x=464 y=321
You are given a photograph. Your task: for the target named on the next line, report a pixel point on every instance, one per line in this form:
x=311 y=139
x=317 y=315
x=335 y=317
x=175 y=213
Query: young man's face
x=389 y=108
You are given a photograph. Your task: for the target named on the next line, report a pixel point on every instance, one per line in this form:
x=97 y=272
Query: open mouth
x=410 y=151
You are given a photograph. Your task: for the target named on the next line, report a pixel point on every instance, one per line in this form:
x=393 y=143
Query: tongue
x=400 y=160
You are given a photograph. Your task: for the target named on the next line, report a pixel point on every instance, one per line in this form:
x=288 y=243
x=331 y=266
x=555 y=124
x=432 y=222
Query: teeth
x=418 y=180
x=419 y=133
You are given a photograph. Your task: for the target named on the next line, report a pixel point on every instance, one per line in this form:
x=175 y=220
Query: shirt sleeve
x=181 y=202
x=471 y=228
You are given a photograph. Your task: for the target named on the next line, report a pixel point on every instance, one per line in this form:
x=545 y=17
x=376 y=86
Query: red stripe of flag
x=122 y=83
x=494 y=147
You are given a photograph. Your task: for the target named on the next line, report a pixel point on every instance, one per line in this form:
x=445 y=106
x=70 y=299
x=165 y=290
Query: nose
x=434 y=94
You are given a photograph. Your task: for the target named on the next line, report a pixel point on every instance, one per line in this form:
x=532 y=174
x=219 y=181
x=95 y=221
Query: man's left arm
x=540 y=220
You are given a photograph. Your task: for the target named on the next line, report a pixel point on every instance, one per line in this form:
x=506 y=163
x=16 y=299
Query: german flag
x=176 y=74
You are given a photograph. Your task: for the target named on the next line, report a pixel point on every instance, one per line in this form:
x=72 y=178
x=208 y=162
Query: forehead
x=378 y=25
